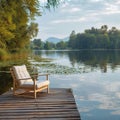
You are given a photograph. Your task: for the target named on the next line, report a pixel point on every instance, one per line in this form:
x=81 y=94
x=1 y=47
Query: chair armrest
x=24 y=79
x=34 y=76
x=44 y=74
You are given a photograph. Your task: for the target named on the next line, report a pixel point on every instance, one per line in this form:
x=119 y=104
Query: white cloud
x=75 y=9
x=76 y=19
x=106 y=102
x=113 y=87
x=117 y=2
x=96 y=0
x=85 y=109
x=68 y=20
x=116 y=112
x=71 y=10
x=43 y=2
x=111 y=8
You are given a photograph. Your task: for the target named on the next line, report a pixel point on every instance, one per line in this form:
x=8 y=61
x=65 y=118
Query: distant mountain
x=65 y=39
x=56 y=40
x=53 y=39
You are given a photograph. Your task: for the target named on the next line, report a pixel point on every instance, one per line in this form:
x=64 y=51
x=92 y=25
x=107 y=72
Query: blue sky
x=78 y=15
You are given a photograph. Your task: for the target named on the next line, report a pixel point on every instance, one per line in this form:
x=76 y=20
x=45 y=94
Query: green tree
x=17 y=25
x=6 y=23
x=114 y=35
x=104 y=29
x=61 y=45
x=49 y=45
x=72 y=38
x=96 y=38
x=14 y=23
x=37 y=44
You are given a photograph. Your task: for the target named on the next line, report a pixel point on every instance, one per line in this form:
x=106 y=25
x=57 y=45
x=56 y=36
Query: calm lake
x=94 y=77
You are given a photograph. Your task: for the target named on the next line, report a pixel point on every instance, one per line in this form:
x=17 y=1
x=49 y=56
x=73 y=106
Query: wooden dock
x=59 y=104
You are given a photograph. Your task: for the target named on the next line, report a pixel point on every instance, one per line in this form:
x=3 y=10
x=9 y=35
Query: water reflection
x=97 y=93
x=96 y=58
x=89 y=58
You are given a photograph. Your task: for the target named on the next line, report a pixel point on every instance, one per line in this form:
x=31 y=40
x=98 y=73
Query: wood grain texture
x=59 y=104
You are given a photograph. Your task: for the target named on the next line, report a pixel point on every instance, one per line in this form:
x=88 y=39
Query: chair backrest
x=21 y=74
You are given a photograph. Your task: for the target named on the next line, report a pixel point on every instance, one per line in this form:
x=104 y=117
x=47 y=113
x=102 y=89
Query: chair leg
x=13 y=87
x=48 y=89
x=13 y=91
x=35 y=94
x=34 y=88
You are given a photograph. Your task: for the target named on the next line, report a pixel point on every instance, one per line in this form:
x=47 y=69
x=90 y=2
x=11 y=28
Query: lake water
x=94 y=77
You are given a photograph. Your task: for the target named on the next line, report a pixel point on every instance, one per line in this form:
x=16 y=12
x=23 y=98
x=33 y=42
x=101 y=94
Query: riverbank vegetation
x=17 y=26
x=94 y=38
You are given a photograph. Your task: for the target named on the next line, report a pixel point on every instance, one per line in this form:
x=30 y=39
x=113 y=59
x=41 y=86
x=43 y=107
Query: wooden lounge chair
x=23 y=81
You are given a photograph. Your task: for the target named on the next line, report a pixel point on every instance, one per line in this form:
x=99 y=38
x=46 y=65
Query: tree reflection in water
x=92 y=59
x=95 y=59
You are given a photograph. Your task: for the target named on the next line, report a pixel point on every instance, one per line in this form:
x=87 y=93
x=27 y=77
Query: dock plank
x=58 y=104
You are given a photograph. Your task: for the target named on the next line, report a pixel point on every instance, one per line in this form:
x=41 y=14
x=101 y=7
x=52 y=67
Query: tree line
x=38 y=44
x=94 y=38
